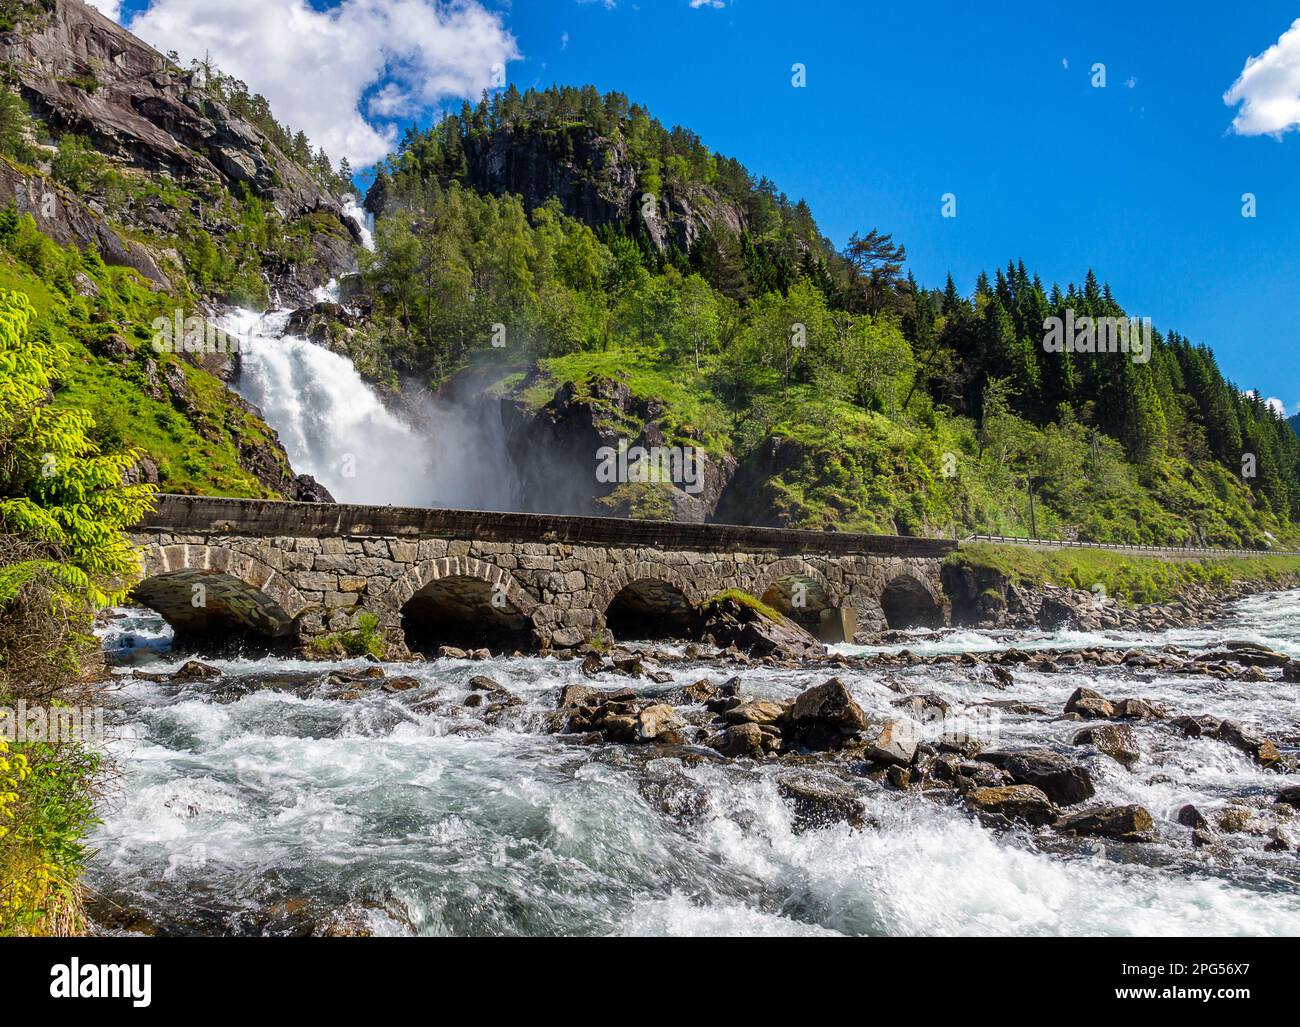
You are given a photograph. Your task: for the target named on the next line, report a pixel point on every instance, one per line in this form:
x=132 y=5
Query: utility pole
x=1033 y=521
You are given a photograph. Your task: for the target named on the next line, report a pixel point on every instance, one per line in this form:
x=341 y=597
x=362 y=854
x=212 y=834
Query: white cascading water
x=332 y=423
x=365 y=221
x=425 y=816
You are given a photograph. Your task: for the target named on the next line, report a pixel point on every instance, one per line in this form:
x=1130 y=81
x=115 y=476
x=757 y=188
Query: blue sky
x=1142 y=180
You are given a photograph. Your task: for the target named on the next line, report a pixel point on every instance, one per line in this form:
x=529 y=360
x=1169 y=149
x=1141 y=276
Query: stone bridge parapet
x=296 y=571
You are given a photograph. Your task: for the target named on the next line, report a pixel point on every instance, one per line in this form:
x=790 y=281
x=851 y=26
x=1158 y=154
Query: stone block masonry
x=294 y=571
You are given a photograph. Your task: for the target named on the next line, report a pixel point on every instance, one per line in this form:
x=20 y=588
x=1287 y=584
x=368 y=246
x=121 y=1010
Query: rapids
x=257 y=804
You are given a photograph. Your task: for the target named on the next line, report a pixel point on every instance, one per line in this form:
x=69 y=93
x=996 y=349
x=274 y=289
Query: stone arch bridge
x=294 y=571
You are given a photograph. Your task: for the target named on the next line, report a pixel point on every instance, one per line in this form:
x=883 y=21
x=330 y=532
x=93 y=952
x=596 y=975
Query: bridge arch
x=212 y=591
x=460 y=601
x=647 y=600
x=798 y=590
x=908 y=602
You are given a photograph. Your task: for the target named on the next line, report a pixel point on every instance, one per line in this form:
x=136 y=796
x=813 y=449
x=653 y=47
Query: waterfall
x=365 y=221
x=332 y=423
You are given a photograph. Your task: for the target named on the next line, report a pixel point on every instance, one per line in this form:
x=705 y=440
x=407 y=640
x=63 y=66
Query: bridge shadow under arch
x=908 y=603
x=464 y=603
x=798 y=591
x=216 y=598
x=648 y=601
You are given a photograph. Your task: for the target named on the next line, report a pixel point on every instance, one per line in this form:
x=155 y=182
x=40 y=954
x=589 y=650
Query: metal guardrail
x=1124 y=547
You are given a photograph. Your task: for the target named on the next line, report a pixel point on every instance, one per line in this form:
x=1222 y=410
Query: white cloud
x=1273 y=403
x=1269 y=89
x=716 y=4
x=1131 y=82
x=320 y=69
x=113 y=8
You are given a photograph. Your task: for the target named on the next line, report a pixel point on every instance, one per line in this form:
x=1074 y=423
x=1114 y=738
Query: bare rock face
x=564 y=439
x=596 y=181
x=67 y=219
x=83 y=73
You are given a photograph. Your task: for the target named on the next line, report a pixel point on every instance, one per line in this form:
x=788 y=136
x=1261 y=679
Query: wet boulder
x=1260 y=749
x=921 y=706
x=194 y=670
x=1279 y=841
x=740 y=740
x=817 y=804
x=1198 y=726
x=676 y=795
x=1002 y=805
x=895 y=743
x=1115 y=740
x=755 y=711
x=1060 y=778
x=701 y=691
x=1233 y=820
x=1120 y=823
x=1002 y=677
x=1190 y=816
x=824 y=717
x=1252 y=654
x=1290 y=795
x=578 y=695
x=1089 y=705
x=659 y=722
x=1137 y=709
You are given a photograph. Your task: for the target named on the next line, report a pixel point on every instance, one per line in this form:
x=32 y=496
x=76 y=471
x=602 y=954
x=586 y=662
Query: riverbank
x=992 y=586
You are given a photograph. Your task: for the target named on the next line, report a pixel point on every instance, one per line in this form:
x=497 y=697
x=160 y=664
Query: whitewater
x=259 y=804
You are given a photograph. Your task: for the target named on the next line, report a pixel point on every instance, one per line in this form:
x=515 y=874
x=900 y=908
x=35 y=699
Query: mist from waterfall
x=413 y=450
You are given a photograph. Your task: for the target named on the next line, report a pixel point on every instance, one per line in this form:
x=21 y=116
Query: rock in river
x=1115 y=740
x=817 y=804
x=999 y=806
x=824 y=716
x=1121 y=823
x=1063 y=780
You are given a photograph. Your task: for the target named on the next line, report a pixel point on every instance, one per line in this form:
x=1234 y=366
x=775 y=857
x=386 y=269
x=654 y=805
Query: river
x=263 y=803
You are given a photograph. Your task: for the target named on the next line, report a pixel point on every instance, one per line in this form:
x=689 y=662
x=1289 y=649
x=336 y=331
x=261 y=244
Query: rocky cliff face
x=66 y=219
x=596 y=181
x=82 y=73
x=555 y=453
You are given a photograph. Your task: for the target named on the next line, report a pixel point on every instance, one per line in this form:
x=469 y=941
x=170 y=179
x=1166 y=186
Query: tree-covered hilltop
x=832 y=389
x=612 y=165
